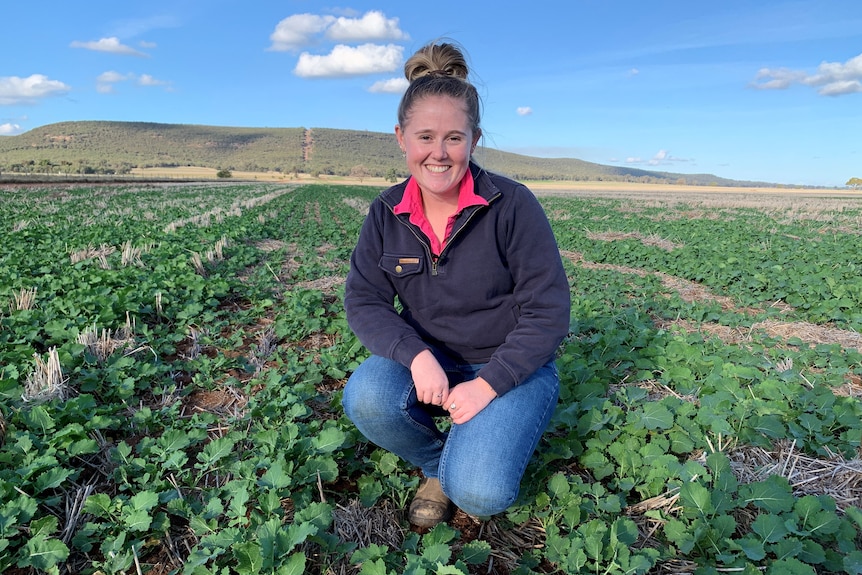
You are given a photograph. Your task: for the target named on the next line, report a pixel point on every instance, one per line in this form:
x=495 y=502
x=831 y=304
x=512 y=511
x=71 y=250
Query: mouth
x=437 y=169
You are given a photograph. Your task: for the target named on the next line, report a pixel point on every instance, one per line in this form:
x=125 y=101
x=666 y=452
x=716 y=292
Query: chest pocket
x=401 y=266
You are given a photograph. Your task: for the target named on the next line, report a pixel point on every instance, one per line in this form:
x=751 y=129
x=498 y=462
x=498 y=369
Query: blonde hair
x=439 y=69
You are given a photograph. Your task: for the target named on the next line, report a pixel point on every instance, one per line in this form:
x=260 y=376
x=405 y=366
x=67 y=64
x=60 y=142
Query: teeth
x=437 y=169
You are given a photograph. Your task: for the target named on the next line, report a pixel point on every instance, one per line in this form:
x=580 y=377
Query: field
x=172 y=358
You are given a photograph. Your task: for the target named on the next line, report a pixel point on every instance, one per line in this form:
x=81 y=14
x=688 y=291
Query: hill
x=104 y=147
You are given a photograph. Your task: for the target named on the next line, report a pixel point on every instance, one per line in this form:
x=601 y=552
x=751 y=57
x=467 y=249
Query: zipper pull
x=434 y=260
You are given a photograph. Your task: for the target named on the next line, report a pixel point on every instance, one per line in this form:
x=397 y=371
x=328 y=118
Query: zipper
x=418 y=236
x=431 y=257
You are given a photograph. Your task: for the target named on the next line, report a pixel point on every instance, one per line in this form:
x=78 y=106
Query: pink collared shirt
x=411 y=204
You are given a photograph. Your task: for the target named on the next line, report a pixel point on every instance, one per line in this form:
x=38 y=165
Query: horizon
x=754 y=93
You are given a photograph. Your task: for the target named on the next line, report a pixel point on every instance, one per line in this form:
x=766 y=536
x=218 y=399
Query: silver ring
x=452 y=407
x=439 y=395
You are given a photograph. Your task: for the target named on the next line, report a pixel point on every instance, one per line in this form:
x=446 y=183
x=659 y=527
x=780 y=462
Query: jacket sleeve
x=541 y=292
x=369 y=296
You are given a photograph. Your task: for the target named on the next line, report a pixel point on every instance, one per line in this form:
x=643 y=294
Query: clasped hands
x=462 y=402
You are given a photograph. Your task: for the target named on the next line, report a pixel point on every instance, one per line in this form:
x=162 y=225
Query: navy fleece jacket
x=497 y=293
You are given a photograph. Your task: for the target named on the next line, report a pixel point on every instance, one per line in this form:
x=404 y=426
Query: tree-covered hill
x=117 y=147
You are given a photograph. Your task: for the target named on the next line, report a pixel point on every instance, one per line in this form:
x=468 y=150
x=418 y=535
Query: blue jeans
x=479 y=463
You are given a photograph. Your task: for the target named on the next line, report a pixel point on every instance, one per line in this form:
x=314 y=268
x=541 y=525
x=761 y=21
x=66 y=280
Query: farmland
x=172 y=358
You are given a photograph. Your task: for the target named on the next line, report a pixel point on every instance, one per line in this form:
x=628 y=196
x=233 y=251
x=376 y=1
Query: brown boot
x=430 y=505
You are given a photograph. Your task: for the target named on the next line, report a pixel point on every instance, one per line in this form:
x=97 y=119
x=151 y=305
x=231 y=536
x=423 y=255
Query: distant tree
x=854 y=183
x=224 y=173
x=360 y=172
x=392 y=175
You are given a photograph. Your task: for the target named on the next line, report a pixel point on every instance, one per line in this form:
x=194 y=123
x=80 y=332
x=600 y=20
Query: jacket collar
x=483 y=187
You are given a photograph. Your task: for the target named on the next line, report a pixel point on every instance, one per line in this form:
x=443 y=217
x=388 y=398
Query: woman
x=457 y=288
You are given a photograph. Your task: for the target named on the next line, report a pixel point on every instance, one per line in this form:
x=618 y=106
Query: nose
x=440 y=150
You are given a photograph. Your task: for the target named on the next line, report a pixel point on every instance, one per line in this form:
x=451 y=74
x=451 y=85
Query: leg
x=484 y=459
x=380 y=400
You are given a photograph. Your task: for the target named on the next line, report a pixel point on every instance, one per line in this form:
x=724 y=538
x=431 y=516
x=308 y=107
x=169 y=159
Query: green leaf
x=558 y=486
x=437 y=553
x=753 y=548
x=295 y=565
x=695 y=496
x=476 y=552
x=773 y=494
x=98 y=504
x=323 y=466
x=318 y=514
x=770 y=527
x=42 y=552
x=656 y=416
x=248 y=557
x=790 y=566
x=853 y=562
x=440 y=533
x=215 y=450
x=174 y=440
x=52 y=478
x=377 y=567
x=328 y=440
x=788 y=547
x=139 y=520
x=593 y=534
x=370 y=490
x=275 y=477
x=812 y=552
x=370 y=553
x=144 y=500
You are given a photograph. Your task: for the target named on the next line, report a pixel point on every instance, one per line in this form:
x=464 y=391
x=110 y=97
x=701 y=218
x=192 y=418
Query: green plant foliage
x=200 y=427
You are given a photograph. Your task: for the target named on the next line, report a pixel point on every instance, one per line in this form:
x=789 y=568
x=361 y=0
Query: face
x=438 y=141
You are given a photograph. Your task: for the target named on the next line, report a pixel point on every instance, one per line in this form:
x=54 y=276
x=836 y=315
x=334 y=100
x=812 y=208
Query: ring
x=453 y=406
x=439 y=395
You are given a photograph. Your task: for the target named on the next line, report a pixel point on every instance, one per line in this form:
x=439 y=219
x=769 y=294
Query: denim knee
x=481 y=500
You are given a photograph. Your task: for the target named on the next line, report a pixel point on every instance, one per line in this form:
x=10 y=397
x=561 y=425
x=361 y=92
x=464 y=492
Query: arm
x=541 y=291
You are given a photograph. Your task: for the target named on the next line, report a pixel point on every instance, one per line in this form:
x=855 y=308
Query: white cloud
x=106 y=81
x=832 y=78
x=350 y=61
x=147 y=80
x=372 y=26
x=298 y=30
x=524 y=110
x=111 y=45
x=9 y=129
x=15 y=90
x=390 y=86
x=661 y=158
x=301 y=30
x=841 y=88
x=111 y=77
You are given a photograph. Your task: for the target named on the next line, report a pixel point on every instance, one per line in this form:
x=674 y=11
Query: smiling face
x=438 y=139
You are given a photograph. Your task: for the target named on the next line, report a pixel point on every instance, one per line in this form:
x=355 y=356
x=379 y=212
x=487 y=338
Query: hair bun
x=438 y=60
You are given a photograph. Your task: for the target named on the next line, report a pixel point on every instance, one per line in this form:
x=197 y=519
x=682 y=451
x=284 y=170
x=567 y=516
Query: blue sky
x=768 y=90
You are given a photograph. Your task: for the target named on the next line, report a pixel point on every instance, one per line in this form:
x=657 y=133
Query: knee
x=482 y=499
x=356 y=401
x=369 y=393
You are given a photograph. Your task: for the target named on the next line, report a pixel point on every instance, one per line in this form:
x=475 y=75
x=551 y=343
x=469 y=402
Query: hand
x=469 y=398
x=432 y=385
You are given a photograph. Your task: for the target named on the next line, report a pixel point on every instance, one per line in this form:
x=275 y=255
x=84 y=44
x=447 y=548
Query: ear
x=476 y=137
x=399 y=135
